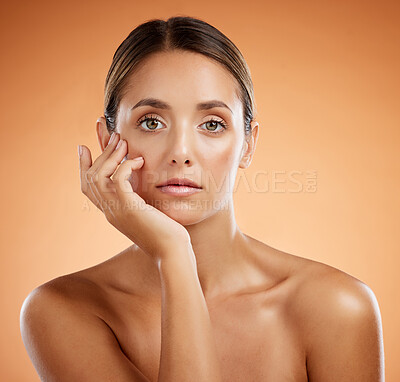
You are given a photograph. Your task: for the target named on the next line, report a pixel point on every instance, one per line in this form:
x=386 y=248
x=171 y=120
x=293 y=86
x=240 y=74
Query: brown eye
x=212 y=124
x=151 y=124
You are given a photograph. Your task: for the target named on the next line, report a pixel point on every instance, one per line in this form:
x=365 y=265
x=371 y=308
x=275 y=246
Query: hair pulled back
x=184 y=33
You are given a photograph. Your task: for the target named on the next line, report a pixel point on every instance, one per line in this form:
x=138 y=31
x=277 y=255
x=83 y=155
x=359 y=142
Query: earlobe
x=249 y=146
x=243 y=155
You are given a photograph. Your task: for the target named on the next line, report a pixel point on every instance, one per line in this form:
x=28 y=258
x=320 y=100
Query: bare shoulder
x=314 y=287
x=336 y=317
x=65 y=338
x=325 y=291
x=340 y=324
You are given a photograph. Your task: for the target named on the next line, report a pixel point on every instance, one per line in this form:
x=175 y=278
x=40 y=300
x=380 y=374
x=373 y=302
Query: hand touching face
x=182 y=113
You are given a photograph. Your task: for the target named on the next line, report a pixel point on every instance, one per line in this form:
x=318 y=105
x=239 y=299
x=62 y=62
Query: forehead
x=182 y=78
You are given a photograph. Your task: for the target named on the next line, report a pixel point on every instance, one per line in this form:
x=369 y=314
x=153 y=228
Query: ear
x=249 y=146
x=102 y=133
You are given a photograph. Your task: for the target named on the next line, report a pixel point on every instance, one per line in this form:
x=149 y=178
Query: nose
x=180 y=144
x=187 y=161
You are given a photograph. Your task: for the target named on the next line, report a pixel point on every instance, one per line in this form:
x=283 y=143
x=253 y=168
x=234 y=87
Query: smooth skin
x=194 y=298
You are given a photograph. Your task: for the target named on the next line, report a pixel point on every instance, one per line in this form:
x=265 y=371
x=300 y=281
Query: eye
x=213 y=125
x=150 y=123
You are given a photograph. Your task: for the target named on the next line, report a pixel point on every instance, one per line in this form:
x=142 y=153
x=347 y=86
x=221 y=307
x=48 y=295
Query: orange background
x=326 y=77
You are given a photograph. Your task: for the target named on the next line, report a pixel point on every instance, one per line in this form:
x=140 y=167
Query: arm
x=346 y=342
x=68 y=343
x=188 y=350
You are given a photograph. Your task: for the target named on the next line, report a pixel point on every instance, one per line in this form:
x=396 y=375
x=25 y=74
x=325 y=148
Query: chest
x=256 y=340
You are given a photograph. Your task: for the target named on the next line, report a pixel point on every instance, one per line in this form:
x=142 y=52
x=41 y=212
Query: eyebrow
x=158 y=104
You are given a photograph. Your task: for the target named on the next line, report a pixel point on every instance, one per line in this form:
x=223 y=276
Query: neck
x=219 y=247
x=222 y=254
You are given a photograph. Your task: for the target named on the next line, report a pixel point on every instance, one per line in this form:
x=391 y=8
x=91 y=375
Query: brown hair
x=184 y=33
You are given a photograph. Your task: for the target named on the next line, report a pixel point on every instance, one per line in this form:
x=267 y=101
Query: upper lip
x=180 y=181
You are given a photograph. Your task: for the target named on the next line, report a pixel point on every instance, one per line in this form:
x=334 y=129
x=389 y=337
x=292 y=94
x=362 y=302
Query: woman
x=194 y=298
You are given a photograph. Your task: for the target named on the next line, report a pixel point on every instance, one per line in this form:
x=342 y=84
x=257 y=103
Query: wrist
x=180 y=257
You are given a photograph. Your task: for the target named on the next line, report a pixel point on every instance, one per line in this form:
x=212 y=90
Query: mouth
x=179 y=182
x=175 y=190
x=179 y=187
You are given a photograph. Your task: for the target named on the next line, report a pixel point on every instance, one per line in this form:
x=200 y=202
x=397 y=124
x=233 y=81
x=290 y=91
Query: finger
x=109 y=149
x=104 y=191
x=93 y=173
x=85 y=163
x=109 y=166
x=116 y=157
x=86 y=177
x=95 y=196
x=122 y=185
x=103 y=186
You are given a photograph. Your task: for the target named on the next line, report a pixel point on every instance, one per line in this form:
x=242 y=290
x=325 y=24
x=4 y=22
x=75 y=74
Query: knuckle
x=117 y=183
x=88 y=176
x=95 y=178
x=100 y=185
x=117 y=174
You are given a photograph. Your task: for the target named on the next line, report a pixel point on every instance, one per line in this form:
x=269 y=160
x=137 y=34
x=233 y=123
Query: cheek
x=224 y=152
x=152 y=157
x=220 y=167
x=148 y=174
x=139 y=148
x=223 y=159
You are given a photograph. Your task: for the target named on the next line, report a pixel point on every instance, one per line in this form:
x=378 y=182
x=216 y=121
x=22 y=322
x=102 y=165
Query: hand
x=152 y=230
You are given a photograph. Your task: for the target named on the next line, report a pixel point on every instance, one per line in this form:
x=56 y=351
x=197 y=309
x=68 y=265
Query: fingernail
x=138 y=158
x=79 y=150
x=119 y=144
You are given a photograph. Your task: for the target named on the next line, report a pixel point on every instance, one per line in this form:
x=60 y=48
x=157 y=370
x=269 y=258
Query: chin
x=183 y=211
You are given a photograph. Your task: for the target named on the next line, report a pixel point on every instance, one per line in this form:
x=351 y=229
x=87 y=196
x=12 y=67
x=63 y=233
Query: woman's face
x=178 y=139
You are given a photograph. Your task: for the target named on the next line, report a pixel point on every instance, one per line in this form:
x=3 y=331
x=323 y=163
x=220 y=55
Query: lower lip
x=179 y=190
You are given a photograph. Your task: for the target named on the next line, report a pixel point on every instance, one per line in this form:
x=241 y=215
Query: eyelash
x=154 y=118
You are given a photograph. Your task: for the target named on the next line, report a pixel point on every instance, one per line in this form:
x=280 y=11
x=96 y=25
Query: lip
x=178 y=190
x=180 y=182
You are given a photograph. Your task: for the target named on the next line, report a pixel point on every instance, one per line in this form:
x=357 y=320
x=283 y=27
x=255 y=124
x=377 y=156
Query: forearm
x=188 y=351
